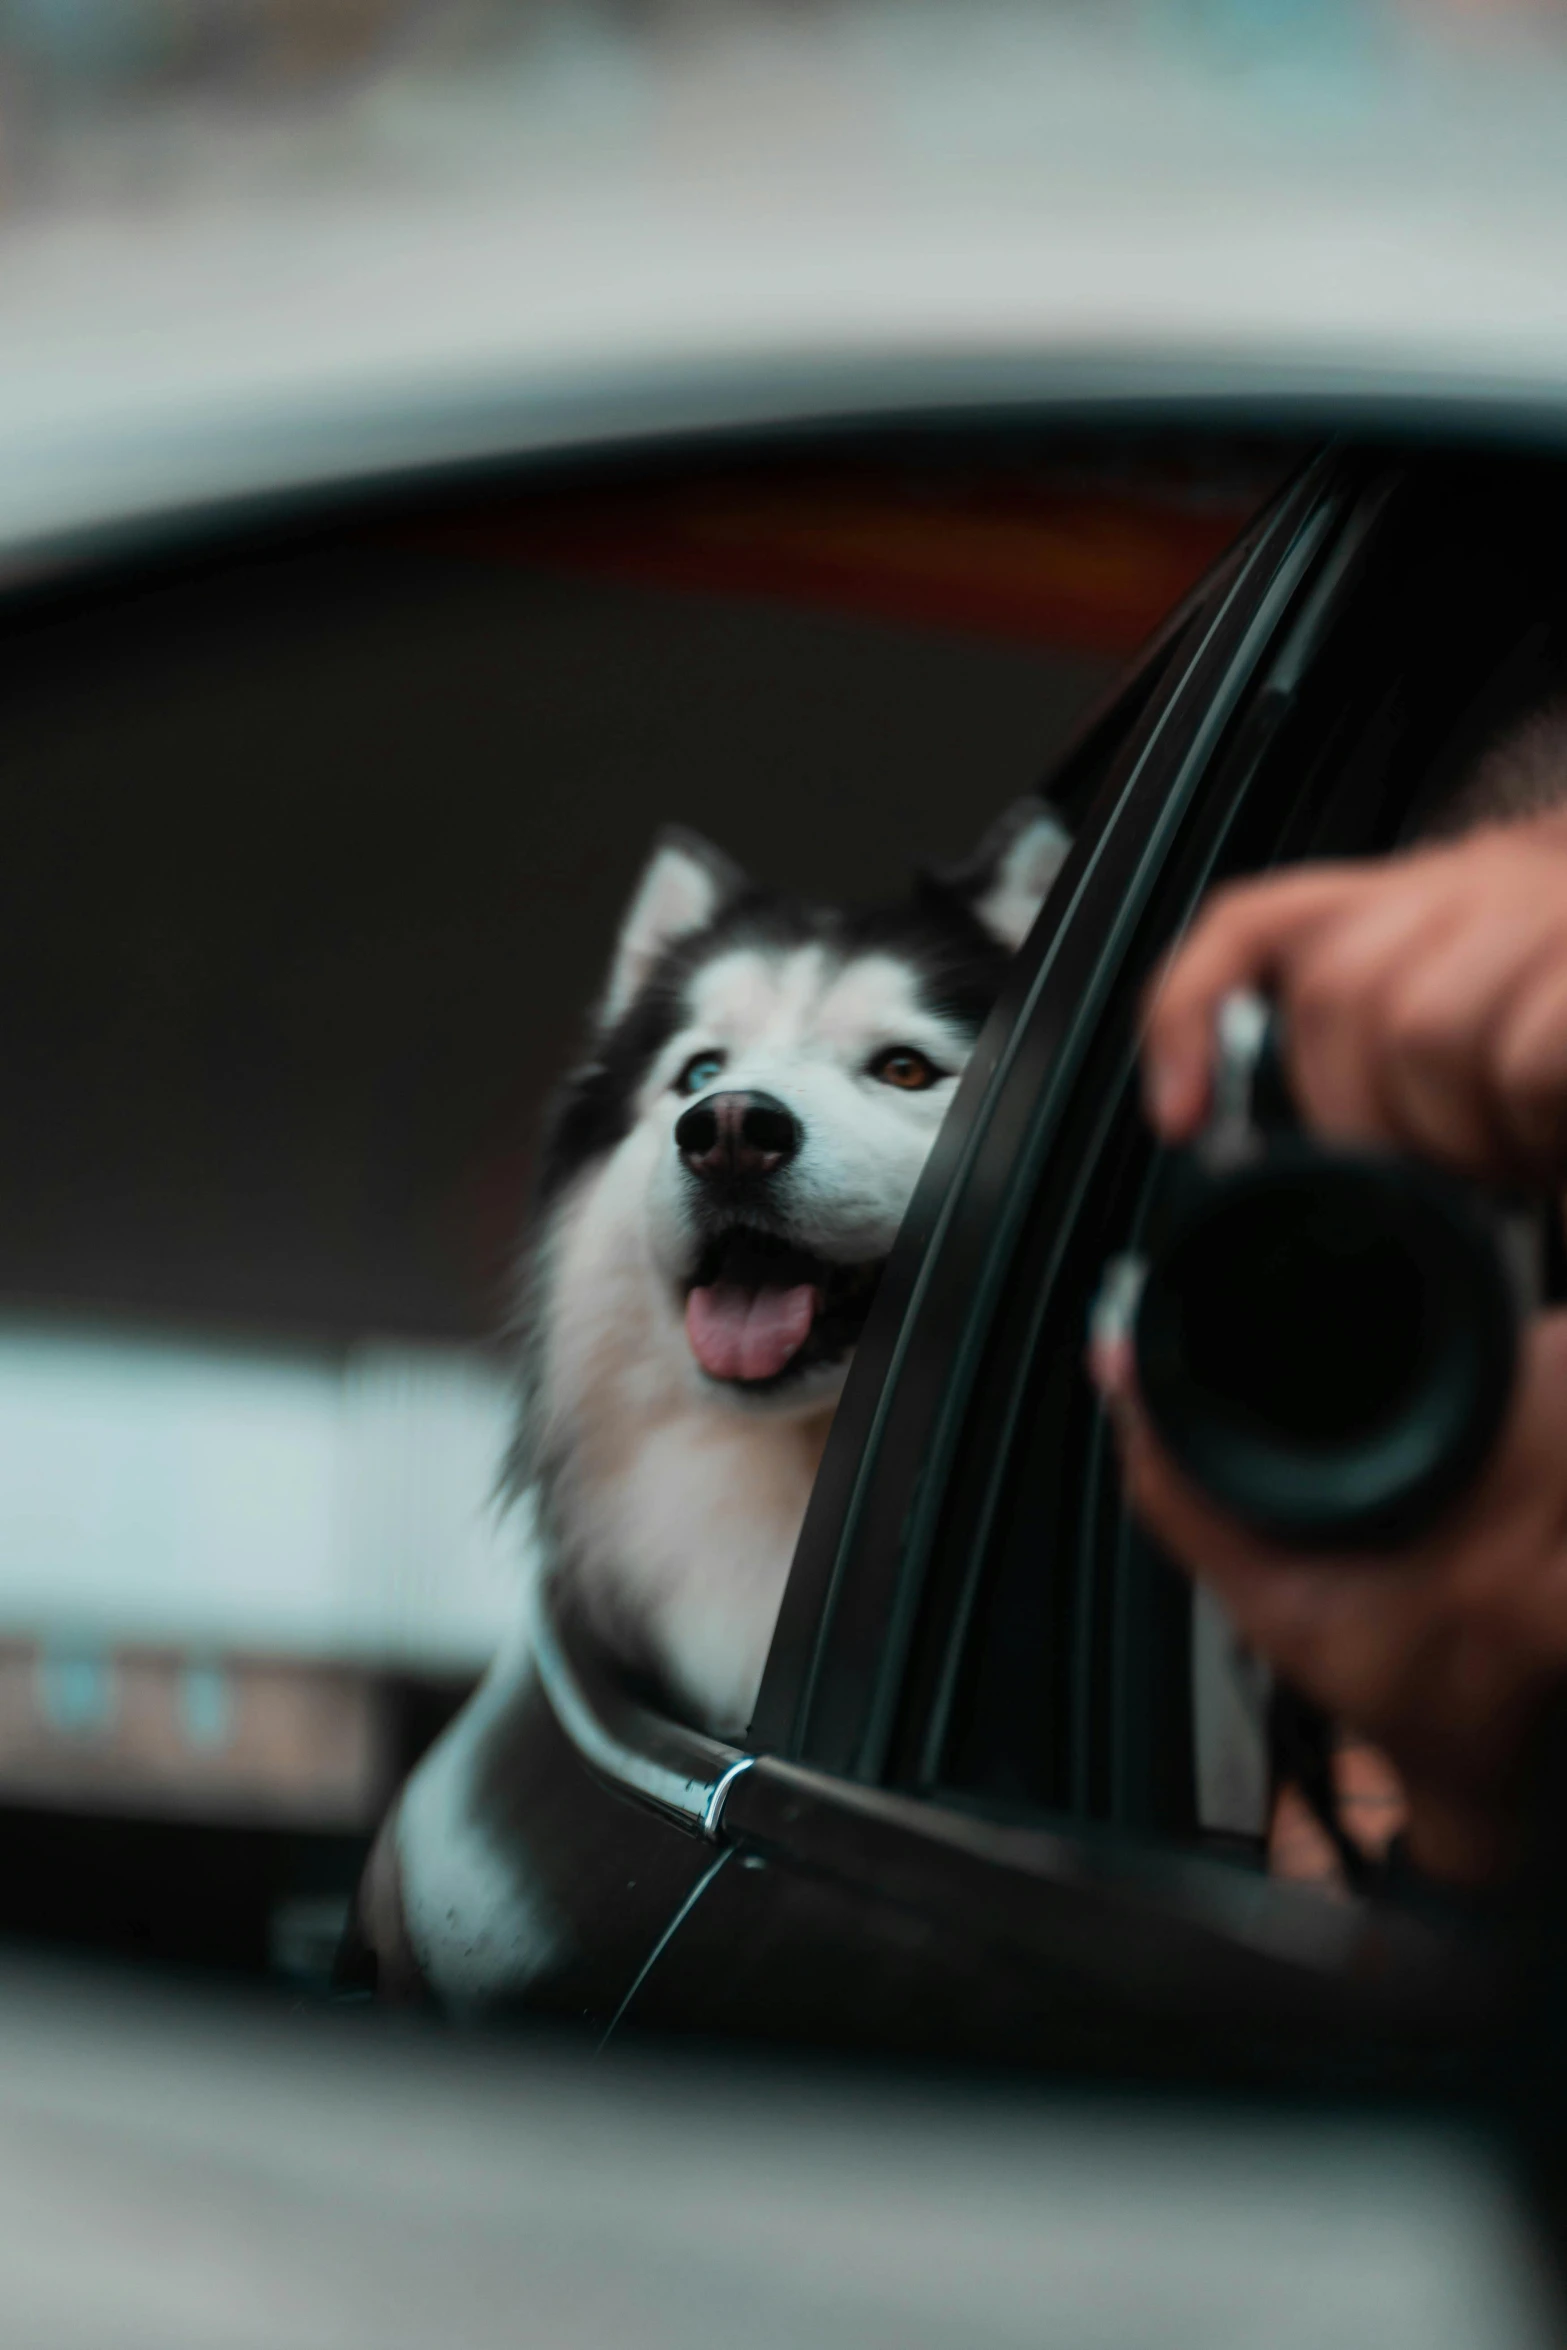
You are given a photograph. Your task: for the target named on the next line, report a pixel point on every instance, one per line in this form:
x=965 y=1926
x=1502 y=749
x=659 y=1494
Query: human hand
x=1423 y=1000
x=1442 y=1653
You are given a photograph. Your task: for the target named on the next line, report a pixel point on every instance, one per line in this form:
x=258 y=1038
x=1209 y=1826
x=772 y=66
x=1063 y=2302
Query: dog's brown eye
x=702 y=1069
x=904 y=1067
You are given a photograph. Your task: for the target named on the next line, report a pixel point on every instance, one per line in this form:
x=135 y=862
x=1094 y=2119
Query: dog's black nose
x=733 y=1135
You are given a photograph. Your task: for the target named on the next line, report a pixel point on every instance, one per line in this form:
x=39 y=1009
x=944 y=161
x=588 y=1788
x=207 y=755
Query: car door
x=975 y=1812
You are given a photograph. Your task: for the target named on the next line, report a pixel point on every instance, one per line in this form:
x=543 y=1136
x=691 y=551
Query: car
x=1000 y=1820
x=377 y=575
x=1002 y=1797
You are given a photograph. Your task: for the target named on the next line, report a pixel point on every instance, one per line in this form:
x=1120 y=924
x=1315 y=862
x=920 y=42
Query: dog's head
x=767 y=1081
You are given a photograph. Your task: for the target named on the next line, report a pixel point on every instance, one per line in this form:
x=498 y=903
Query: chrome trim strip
x=713 y=1815
x=676 y=1771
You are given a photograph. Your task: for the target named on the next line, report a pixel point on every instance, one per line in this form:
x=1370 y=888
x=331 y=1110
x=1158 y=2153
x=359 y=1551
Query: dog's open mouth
x=760 y=1310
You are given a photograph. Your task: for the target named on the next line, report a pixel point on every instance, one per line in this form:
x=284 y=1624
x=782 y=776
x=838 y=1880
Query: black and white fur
x=664 y=1495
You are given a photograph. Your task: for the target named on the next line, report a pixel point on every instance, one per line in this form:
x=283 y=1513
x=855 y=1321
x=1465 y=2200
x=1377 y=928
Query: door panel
x=851 y=1916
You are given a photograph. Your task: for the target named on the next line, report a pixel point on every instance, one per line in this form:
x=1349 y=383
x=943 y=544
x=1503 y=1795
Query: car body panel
x=936 y=211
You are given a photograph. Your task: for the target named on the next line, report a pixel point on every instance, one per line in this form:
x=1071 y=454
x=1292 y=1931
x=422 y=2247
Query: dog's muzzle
x=759 y=1309
x=734 y=1139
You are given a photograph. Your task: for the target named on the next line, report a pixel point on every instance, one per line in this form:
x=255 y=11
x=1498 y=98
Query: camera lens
x=1325 y=1343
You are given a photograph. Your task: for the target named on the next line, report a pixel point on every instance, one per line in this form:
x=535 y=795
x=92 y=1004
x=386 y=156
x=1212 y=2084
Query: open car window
x=1060 y=1667
x=315 y=840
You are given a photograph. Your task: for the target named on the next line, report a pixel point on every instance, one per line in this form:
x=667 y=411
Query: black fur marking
x=591 y=1111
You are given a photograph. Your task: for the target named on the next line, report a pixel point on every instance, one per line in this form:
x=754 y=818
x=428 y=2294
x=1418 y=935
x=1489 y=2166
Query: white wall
x=153 y=1490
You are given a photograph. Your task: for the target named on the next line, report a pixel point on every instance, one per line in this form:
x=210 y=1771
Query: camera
x=1325 y=1339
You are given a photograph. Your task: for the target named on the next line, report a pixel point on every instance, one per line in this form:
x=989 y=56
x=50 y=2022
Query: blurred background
x=385 y=553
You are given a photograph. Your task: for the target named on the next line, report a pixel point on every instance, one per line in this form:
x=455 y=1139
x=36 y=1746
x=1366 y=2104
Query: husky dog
x=722 y=1181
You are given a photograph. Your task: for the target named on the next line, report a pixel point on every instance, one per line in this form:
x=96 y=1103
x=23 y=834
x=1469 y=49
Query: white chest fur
x=677 y=1512
x=476 y=1921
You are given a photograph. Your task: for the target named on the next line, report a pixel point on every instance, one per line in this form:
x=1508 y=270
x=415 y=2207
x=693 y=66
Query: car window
x=866 y=1655
x=1076 y=1676
x=315 y=840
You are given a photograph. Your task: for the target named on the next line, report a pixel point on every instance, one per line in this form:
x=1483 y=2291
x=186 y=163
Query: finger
x=1341 y=1001
x=1243 y=939
x=1434 y=1073
x=1366 y=1633
x=1266 y=1588
x=1340 y=1627
x=1464 y=1071
x=1504 y=1554
x=1528 y=1069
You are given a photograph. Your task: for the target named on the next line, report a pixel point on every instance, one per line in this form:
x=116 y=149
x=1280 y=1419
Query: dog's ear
x=1004 y=882
x=685 y=885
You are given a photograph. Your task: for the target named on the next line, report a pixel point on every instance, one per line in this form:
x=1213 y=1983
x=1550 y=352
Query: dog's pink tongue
x=740 y=1333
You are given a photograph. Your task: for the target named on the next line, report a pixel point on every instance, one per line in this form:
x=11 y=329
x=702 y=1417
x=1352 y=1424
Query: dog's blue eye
x=702 y=1069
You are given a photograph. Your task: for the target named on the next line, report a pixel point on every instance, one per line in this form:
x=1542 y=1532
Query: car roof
x=581 y=235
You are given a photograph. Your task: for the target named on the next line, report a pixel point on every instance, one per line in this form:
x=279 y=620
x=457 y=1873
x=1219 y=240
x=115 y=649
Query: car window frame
x=833 y=1683
x=1120 y=1688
